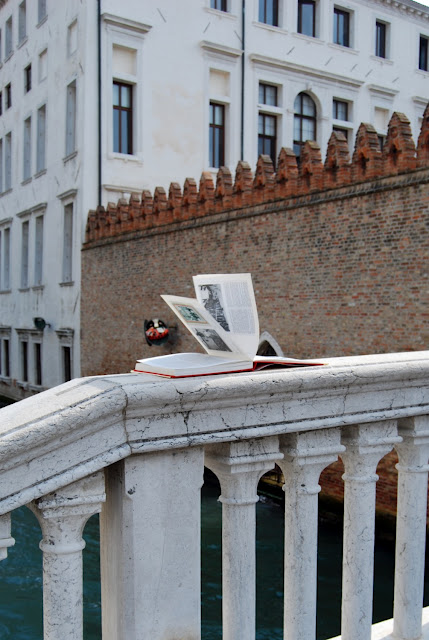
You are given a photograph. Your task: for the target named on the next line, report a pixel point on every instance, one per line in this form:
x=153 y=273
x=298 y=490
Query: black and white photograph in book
x=211 y=339
x=189 y=313
x=211 y=295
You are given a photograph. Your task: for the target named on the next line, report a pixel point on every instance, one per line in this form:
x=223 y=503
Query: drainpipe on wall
x=243 y=47
x=99 y=98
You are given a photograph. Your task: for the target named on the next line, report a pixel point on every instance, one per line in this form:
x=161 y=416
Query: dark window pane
x=122 y=118
x=306 y=17
x=269 y=12
x=423 y=54
x=380 y=40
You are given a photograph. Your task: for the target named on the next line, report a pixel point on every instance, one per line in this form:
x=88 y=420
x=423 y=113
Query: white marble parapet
x=66 y=433
x=134 y=446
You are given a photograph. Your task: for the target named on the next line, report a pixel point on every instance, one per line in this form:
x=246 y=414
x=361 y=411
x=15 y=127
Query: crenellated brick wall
x=338 y=253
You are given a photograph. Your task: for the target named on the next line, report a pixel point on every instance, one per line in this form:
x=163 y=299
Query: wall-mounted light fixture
x=40 y=323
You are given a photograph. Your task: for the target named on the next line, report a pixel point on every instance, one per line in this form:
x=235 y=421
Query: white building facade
x=100 y=99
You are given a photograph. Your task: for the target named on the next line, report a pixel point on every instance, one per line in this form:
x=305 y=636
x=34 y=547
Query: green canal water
x=21 y=576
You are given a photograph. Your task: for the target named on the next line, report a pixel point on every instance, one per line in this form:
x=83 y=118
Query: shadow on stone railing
x=134 y=447
x=399 y=155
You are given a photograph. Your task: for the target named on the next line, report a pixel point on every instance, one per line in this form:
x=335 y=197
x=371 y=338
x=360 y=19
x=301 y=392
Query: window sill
x=5 y=380
x=38 y=287
x=221 y=14
x=71 y=155
x=42 y=21
x=68 y=283
x=40 y=173
x=269 y=27
x=8 y=57
x=125 y=157
x=26 y=181
x=423 y=72
x=4 y=193
x=313 y=39
x=382 y=60
x=5 y=291
x=343 y=48
x=22 y=42
x=24 y=289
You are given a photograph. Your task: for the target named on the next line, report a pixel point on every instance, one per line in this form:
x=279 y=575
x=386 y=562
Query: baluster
x=413 y=454
x=62 y=516
x=6 y=539
x=365 y=445
x=305 y=456
x=239 y=467
x=150 y=538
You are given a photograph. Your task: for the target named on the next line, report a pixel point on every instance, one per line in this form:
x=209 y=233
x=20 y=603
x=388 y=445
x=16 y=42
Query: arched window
x=304 y=121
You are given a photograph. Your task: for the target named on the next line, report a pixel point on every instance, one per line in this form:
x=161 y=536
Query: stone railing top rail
x=68 y=432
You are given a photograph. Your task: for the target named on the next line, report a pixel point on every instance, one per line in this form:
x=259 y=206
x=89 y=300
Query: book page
x=230 y=300
x=211 y=336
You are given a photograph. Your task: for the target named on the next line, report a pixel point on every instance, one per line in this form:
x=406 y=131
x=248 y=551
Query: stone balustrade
x=134 y=447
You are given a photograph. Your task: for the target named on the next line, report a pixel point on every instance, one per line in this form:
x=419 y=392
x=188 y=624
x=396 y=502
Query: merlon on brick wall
x=399 y=155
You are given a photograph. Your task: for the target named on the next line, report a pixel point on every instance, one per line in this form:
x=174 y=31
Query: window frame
x=68 y=227
x=425 y=65
x=22 y=22
x=27 y=150
x=41 y=139
x=381 y=39
x=71 y=118
x=301 y=4
x=303 y=118
x=336 y=102
x=266 y=138
x=8 y=50
x=216 y=147
x=267 y=7
x=129 y=111
x=8 y=95
x=25 y=254
x=38 y=250
x=345 y=30
x=41 y=11
x=27 y=78
x=214 y=4
x=5 y=360
x=8 y=161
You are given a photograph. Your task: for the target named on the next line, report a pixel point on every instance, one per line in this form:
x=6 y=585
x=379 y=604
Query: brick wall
x=338 y=252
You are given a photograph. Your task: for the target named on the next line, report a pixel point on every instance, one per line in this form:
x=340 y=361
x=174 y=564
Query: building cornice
x=125 y=23
x=386 y=92
x=408 y=6
x=220 y=49
x=302 y=70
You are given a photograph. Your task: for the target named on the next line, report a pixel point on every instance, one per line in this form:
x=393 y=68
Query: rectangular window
x=68 y=243
x=1 y=103
x=380 y=39
x=22 y=21
x=423 y=53
x=8 y=45
x=67 y=363
x=37 y=363
x=72 y=38
x=24 y=360
x=217 y=135
x=267 y=133
x=341 y=27
x=41 y=12
x=43 y=65
x=340 y=110
x=122 y=118
x=307 y=17
x=5 y=352
x=41 y=139
x=267 y=94
x=27 y=149
x=38 y=254
x=1 y=166
x=24 y=254
x=6 y=260
x=220 y=5
x=71 y=119
x=27 y=78
x=8 y=162
x=269 y=12
x=8 y=92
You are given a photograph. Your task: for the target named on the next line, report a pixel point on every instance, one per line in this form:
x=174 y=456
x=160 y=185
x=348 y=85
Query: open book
x=224 y=320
